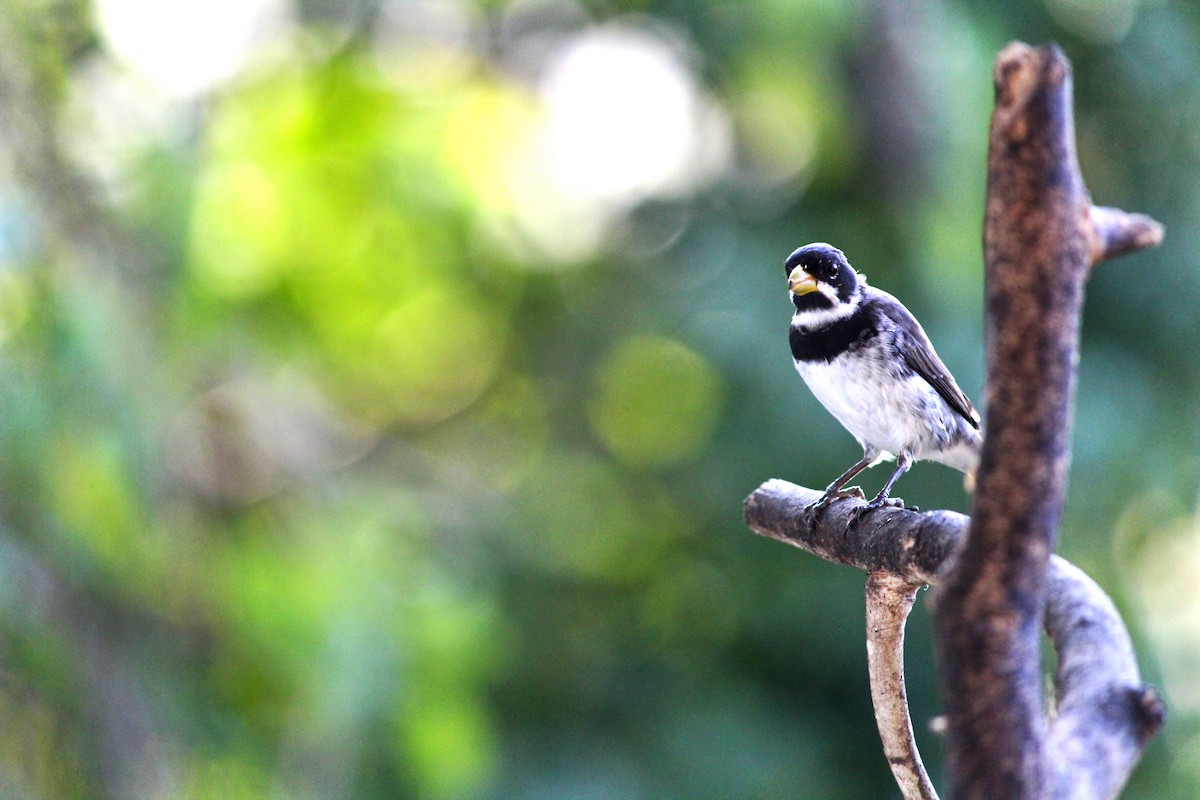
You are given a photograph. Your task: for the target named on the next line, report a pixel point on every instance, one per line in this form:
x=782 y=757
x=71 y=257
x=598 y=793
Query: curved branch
x=889 y=600
x=1105 y=715
x=1097 y=682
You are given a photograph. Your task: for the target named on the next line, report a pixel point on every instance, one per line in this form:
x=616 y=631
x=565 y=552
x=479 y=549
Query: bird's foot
x=881 y=501
x=875 y=502
x=832 y=494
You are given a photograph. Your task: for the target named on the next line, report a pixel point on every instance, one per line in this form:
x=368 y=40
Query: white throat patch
x=820 y=317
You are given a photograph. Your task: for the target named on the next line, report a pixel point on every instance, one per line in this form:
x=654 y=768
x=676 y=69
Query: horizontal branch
x=1104 y=714
x=909 y=544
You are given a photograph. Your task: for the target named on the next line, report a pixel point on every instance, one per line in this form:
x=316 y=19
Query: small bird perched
x=868 y=361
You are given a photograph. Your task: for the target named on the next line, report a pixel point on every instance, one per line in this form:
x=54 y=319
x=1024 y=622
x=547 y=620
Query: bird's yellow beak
x=800 y=282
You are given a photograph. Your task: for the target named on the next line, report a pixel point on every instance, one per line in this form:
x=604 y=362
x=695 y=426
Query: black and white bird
x=868 y=361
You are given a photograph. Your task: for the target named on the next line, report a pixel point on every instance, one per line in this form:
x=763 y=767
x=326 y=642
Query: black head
x=820 y=278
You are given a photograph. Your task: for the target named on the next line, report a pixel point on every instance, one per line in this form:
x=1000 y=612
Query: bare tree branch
x=1104 y=714
x=889 y=599
x=1115 y=232
x=908 y=544
x=1041 y=237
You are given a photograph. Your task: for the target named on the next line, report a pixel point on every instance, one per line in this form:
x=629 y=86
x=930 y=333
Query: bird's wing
x=923 y=359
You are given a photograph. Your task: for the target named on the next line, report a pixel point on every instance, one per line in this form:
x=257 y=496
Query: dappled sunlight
x=425 y=44
x=290 y=211
x=616 y=118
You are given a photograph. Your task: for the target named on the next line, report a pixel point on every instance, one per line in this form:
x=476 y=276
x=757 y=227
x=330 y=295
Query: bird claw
x=839 y=494
x=856 y=514
x=881 y=502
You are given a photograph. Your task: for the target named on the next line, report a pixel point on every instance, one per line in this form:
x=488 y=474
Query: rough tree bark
x=1040 y=241
x=1041 y=238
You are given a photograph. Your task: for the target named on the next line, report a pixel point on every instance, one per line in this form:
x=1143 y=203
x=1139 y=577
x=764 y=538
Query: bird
x=868 y=361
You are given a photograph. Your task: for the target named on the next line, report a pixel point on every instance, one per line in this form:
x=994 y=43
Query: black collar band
x=827 y=342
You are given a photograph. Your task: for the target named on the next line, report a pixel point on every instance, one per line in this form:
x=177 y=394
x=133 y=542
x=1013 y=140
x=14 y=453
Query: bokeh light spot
x=438 y=353
x=239 y=231
x=97 y=503
x=184 y=46
x=482 y=156
x=656 y=402
x=1165 y=562
x=1099 y=21
x=447 y=739
x=625 y=118
x=586 y=519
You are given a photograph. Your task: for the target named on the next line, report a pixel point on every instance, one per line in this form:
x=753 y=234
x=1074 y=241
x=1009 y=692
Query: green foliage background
x=340 y=459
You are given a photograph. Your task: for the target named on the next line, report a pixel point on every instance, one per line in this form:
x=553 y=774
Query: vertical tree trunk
x=1039 y=246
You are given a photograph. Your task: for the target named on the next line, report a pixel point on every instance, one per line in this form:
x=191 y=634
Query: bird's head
x=821 y=282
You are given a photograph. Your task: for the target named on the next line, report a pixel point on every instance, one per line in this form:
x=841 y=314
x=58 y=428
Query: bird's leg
x=903 y=462
x=835 y=489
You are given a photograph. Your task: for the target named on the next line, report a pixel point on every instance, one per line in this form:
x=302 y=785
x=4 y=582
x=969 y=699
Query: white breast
x=888 y=413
